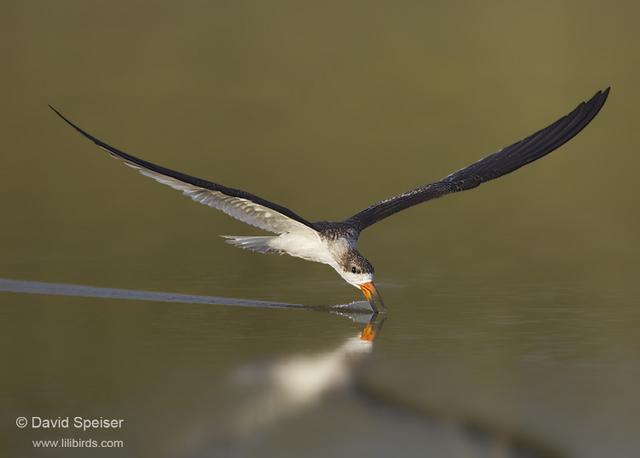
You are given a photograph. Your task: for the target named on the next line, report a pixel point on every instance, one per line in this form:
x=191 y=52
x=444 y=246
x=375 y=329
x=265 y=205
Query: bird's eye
x=353 y=269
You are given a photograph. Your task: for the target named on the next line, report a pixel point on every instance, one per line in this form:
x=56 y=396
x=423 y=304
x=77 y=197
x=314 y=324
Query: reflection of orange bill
x=368 y=333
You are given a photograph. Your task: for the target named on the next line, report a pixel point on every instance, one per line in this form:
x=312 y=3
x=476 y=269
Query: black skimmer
x=335 y=243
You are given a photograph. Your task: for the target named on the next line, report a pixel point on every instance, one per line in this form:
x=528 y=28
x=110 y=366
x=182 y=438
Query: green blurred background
x=516 y=302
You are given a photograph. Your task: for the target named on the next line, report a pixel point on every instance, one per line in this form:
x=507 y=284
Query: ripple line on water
x=65 y=289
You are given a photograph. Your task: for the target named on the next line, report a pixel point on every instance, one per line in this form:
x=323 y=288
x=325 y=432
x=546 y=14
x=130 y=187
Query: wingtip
x=60 y=115
x=598 y=100
x=68 y=121
x=603 y=93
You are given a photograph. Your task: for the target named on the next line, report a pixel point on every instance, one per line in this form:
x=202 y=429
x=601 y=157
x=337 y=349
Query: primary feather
x=491 y=167
x=243 y=206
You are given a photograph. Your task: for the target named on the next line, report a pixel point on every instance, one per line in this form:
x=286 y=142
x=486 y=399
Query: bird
x=335 y=242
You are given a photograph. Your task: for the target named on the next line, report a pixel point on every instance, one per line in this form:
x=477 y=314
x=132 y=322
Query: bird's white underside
x=294 y=238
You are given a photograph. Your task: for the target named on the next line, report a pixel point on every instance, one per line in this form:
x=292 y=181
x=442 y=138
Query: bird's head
x=356 y=270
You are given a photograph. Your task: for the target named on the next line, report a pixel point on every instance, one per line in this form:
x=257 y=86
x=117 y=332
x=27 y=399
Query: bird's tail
x=260 y=244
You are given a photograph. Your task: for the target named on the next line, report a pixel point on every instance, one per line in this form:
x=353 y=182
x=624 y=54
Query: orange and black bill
x=371 y=294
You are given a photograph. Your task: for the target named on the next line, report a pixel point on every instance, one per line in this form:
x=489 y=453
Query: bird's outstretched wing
x=239 y=204
x=504 y=161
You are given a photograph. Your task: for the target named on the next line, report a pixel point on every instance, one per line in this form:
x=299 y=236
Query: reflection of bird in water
x=298 y=382
x=334 y=243
x=288 y=386
x=331 y=395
